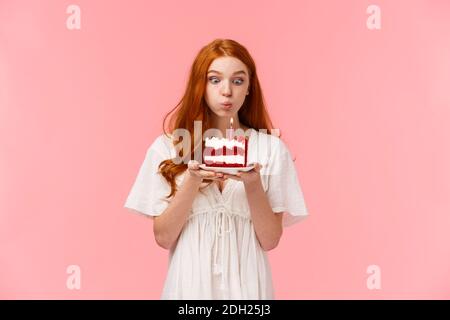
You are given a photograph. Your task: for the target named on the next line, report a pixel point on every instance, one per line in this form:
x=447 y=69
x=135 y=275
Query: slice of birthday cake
x=225 y=152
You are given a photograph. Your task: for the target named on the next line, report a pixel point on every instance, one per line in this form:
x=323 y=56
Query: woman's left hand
x=247 y=177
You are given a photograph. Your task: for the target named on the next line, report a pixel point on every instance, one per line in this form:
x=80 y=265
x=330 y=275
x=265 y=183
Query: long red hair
x=193 y=107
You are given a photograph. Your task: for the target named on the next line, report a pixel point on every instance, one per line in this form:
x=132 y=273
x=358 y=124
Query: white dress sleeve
x=284 y=191
x=149 y=191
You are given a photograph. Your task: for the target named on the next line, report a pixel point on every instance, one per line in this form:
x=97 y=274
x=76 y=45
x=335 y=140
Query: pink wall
x=366 y=113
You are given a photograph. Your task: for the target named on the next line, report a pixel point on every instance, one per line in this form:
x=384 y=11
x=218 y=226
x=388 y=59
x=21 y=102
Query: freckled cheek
x=212 y=97
x=209 y=93
x=213 y=93
x=211 y=89
x=240 y=94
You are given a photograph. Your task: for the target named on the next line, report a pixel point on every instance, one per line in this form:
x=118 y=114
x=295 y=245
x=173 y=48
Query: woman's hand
x=198 y=174
x=247 y=177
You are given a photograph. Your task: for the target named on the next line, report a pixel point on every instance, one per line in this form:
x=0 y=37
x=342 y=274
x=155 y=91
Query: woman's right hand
x=199 y=174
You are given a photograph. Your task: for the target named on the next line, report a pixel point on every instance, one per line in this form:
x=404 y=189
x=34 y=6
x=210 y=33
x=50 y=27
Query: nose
x=226 y=89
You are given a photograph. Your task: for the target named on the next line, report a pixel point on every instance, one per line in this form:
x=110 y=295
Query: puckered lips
x=226 y=105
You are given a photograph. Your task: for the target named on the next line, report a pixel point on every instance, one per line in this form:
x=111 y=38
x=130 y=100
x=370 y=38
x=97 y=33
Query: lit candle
x=231 y=129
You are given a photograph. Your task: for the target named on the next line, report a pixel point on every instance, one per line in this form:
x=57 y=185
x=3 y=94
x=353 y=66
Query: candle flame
x=231 y=122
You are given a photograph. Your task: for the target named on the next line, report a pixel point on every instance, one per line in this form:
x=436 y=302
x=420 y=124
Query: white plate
x=229 y=170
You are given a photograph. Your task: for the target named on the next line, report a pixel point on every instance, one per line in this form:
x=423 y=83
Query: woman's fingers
x=212 y=175
x=193 y=164
x=231 y=176
x=257 y=167
x=194 y=168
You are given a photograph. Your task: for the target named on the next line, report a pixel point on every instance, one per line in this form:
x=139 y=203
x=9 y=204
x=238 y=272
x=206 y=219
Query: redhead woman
x=218 y=226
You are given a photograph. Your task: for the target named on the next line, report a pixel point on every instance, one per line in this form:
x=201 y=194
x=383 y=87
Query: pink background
x=366 y=113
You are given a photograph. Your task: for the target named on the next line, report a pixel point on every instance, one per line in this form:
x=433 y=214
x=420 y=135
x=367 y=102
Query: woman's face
x=227 y=82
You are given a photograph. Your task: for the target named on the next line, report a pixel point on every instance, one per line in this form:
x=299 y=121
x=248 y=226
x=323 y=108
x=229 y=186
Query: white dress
x=217 y=255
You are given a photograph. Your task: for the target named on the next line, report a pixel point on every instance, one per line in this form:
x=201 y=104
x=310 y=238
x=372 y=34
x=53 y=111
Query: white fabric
x=217 y=255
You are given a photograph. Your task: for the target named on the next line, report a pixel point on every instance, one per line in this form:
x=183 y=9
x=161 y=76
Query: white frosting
x=225 y=159
x=218 y=143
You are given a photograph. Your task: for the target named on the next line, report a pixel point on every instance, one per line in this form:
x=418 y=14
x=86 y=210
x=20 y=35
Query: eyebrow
x=237 y=72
